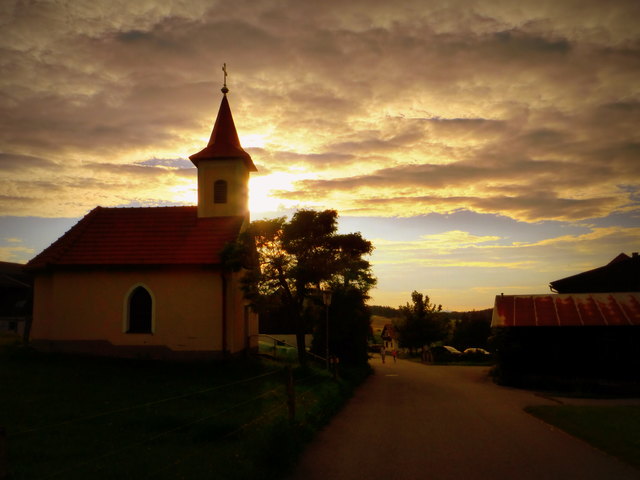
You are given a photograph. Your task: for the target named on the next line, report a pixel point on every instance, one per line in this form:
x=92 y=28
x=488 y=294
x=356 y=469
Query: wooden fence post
x=335 y=361
x=291 y=397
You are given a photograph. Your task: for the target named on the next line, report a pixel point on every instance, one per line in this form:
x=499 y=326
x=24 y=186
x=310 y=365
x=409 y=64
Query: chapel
x=149 y=282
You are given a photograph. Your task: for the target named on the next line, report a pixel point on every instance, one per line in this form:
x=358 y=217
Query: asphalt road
x=412 y=421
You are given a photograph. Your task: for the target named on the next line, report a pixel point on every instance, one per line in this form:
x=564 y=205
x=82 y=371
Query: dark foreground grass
x=615 y=429
x=71 y=417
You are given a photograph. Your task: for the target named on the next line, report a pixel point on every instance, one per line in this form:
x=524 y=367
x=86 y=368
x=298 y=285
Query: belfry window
x=139 y=311
x=220 y=191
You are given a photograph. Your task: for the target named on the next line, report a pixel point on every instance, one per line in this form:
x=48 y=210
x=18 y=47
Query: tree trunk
x=300 y=334
x=302 y=351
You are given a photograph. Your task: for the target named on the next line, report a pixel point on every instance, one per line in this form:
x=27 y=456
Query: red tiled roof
x=583 y=309
x=389 y=331
x=224 y=141
x=141 y=236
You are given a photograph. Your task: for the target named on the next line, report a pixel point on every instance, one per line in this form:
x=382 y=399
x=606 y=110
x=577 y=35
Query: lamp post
x=326 y=299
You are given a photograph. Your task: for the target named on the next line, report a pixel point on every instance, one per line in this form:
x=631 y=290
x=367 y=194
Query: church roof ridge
x=116 y=236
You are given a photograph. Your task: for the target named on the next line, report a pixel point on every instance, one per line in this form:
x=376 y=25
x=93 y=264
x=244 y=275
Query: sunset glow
x=482 y=148
x=264 y=192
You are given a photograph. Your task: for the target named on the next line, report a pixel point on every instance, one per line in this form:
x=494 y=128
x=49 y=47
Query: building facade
x=150 y=282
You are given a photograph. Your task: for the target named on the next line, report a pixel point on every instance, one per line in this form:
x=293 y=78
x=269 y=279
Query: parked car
x=476 y=354
x=444 y=353
x=476 y=351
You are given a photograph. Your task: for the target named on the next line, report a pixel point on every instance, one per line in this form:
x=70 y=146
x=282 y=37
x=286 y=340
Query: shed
x=576 y=337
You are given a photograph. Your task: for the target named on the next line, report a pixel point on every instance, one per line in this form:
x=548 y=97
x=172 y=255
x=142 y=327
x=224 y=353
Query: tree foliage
x=349 y=322
x=421 y=323
x=289 y=262
x=384 y=311
x=470 y=329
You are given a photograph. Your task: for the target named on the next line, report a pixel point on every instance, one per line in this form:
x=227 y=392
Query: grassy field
x=615 y=429
x=78 y=417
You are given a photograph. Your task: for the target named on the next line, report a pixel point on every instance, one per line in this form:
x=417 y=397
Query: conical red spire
x=224 y=141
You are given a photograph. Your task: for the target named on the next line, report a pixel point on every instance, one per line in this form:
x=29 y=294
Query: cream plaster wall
x=92 y=306
x=246 y=319
x=235 y=173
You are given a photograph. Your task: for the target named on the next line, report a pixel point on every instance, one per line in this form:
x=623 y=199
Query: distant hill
x=472 y=315
x=381 y=315
x=384 y=311
x=390 y=312
x=378 y=322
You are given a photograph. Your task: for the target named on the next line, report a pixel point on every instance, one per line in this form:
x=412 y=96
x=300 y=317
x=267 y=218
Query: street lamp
x=326 y=299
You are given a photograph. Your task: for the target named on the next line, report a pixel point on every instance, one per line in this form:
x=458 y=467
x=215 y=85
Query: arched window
x=140 y=310
x=220 y=191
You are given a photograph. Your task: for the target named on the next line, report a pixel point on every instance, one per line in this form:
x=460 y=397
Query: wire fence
x=153 y=439
x=279 y=349
x=143 y=405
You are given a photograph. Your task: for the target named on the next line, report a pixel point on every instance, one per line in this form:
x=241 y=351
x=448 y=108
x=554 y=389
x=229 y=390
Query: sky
x=484 y=147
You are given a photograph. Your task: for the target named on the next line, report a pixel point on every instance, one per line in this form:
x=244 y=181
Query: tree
x=421 y=324
x=471 y=329
x=349 y=326
x=288 y=263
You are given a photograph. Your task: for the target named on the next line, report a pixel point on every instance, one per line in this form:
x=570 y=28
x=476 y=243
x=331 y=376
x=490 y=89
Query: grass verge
x=75 y=417
x=611 y=429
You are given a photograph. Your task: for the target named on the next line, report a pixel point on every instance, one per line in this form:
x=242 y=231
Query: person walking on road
x=394 y=354
x=383 y=352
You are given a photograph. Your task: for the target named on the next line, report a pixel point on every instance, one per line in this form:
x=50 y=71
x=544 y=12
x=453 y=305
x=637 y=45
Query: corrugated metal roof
x=567 y=310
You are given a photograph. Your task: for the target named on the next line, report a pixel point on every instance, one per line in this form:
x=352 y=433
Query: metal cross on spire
x=224 y=89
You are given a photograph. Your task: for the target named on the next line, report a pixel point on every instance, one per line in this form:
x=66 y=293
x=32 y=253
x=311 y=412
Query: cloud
x=525 y=195
x=391 y=109
x=462 y=249
x=468 y=273
x=167 y=162
x=15 y=253
x=453 y=248
x=12 y=249
x=503 y=139
x=80 y=189
x=16 y=162
x=530 y=168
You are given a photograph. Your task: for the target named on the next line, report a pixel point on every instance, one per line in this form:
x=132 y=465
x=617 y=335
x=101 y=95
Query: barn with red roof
x=149 y=282
x=587 y=331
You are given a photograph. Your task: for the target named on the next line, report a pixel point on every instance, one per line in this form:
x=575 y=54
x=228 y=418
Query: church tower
x=223 y=168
